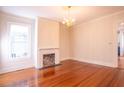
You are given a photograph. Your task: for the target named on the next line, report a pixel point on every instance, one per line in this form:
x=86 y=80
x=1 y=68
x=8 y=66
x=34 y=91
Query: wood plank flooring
x=69 y=74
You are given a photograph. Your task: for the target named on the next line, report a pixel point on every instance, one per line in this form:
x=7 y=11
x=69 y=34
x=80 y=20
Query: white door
x=121 y=43
x=121 y=39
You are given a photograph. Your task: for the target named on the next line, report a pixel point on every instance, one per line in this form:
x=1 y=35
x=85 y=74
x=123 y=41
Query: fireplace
x=48 y=60
x=47 y=57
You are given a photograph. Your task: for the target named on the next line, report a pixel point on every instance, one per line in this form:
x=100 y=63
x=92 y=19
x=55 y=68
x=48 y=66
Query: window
x=19 y=41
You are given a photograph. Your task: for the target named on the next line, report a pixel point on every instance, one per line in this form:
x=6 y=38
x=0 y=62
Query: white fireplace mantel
x=43 y=51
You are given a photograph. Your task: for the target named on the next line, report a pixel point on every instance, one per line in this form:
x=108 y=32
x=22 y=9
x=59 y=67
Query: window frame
x=29 y=42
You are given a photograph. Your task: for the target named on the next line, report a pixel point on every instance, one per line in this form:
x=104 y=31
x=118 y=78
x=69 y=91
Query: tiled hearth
x=47 y=57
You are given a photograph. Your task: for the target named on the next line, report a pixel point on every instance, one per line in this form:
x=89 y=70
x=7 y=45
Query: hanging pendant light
x=68 y=21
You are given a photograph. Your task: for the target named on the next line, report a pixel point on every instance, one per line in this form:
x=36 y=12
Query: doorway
x=121 y=45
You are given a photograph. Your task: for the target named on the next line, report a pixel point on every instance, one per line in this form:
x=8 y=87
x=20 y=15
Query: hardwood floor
x=121 y=62
x=69 y=74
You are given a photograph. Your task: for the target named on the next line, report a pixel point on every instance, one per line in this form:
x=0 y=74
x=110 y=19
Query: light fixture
x=68 y=21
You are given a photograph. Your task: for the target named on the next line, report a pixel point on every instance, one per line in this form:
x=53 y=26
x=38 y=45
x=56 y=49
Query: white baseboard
x=14 y=68
x=64 y=59
x=109 y=64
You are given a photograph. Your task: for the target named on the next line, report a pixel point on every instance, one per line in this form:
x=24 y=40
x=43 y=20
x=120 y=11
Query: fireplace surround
x=47 y=57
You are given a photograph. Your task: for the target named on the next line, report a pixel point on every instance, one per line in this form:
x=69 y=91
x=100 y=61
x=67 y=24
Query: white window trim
x=30 y=29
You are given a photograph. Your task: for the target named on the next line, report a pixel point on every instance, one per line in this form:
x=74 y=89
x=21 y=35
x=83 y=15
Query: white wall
x=52 y=34
x=6 y=64
x=64 y=42
x=95 y=41
x=0 y=41
x=48 y=33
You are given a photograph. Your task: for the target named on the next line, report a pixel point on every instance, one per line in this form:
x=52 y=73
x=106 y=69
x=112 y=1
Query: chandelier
x=68 y=21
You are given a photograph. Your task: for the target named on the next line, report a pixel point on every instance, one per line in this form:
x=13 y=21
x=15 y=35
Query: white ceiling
x=80 y=13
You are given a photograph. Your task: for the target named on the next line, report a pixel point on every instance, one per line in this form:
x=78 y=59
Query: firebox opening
x=48 y=60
